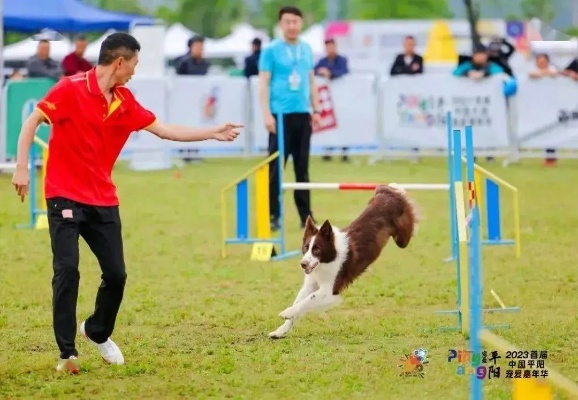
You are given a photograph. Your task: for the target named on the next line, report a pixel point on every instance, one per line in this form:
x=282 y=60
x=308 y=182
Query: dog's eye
x=315 y=249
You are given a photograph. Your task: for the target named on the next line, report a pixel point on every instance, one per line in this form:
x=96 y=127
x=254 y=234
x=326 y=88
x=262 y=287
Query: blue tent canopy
x=64 y=16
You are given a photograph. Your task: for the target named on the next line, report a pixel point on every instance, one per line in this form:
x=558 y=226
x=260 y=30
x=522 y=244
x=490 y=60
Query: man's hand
x=21 y=181
x=227 y=132
x=326 y=72
x=476 y=74
x=270 y=124
x=315 y=120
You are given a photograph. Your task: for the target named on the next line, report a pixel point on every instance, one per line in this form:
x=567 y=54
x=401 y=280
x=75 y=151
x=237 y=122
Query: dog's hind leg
x=309 y=286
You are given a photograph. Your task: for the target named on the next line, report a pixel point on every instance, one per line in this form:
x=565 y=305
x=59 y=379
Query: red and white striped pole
x=362 y=186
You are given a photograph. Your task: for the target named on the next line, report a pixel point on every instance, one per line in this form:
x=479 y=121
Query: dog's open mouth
x=310 y=268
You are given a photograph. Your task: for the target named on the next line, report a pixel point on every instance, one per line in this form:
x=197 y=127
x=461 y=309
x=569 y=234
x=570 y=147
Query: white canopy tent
x=236 y=44
x=315 y=37
x=176 y=40
x=27 y=48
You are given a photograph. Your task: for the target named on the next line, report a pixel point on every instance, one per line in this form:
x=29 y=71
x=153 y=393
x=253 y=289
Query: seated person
x=479 y=66
x=543 y=68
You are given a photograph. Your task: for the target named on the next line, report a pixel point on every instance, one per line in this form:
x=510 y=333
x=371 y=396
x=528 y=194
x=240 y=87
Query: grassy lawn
x=194 y=325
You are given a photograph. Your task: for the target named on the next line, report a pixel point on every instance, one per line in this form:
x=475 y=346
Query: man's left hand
x=227 y=132
x=316 y=120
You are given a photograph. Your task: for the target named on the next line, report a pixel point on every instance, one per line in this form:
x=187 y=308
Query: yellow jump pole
x=517 y=236
x=262 y=220
x=463 y=254
x=42 y=219
x=248 y=173
x=223 y=224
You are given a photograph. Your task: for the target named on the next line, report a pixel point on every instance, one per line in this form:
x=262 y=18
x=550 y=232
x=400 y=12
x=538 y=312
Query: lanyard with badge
x=294 y=78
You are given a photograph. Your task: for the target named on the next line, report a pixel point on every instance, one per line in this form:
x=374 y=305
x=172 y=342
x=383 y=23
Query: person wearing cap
x=75 y=62
x=479 y=66
x=252 y=61
x=193 y=63
x=499 y=52
x=333 y=65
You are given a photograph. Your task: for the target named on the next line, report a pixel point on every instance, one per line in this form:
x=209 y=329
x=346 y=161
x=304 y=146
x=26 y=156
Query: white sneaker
x=70 y=364
x=108 y=350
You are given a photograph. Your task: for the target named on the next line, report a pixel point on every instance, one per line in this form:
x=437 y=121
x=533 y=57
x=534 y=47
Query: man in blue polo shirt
x=287 y=86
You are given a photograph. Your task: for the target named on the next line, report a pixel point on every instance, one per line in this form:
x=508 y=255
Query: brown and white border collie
x=334 y=258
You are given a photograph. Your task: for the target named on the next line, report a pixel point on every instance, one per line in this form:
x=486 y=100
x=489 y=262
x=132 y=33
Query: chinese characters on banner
x=327 y=112
x=519 y=364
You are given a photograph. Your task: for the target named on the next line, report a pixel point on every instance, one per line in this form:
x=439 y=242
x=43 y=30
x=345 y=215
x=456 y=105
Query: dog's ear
x=326 y=230
x=310 y=228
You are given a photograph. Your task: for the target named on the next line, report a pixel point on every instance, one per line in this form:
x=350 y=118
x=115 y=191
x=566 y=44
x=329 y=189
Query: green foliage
x=128 y=6
x=211 y=18
x=419 y=9
x=573 y=31
x=541 y=9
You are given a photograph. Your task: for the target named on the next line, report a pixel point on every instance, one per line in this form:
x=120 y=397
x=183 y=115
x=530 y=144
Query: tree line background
x=214 y=18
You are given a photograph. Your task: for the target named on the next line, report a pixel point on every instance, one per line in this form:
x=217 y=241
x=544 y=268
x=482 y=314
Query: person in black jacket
x=252 y=61
x=500 y=51
x=407 y=63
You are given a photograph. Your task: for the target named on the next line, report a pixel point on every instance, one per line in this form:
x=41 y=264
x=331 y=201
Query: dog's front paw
x=278 y=334
x=288 y=313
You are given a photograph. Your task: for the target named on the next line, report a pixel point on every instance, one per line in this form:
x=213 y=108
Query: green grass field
x=194 y=325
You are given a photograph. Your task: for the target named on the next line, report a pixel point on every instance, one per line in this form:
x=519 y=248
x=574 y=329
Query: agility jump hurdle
x=469 y=253
x=37 y=203
x=263 y=244
x=266 y=244
x=460 y=242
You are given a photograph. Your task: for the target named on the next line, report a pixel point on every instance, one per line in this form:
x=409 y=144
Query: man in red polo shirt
x=92 y=115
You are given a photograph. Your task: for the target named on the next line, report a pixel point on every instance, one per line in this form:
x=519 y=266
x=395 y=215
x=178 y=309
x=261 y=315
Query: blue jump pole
x=283 y=254
x=475 y=268
x=453 y=222
x=281 y=166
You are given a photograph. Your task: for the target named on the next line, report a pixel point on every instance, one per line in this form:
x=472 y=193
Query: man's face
x=542 y=62
x=290 y=25
x=480 y=58
x=331 y=49
x=80 y=46
x=43 y=51
x=125 y=69
x=408 y=45
x=197 y=49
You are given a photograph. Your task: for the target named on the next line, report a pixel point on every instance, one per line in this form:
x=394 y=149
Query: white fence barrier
x=414 y=111
x=355 y=105
x=547 y=112
x=372 y=113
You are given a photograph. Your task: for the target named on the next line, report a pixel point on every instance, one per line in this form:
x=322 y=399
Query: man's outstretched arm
x=177 y=133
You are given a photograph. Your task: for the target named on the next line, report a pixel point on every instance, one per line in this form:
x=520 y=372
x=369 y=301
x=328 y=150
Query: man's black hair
x=195 y=39
x=117 y=45
x=290 y=10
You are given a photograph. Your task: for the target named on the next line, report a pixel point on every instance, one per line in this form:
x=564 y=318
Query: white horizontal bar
x=7 y=166
x=337 y=186
x=299 y=186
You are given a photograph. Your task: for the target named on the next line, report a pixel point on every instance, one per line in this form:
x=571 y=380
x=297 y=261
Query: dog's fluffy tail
x=406 y=222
